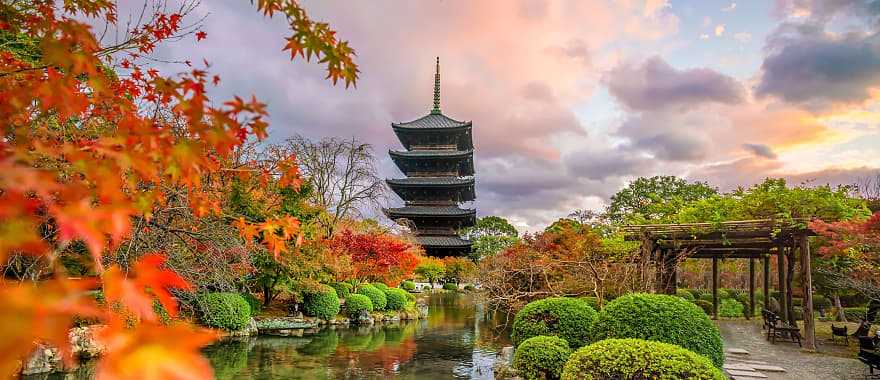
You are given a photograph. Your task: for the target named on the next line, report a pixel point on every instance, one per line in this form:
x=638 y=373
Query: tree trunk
x=841 y=316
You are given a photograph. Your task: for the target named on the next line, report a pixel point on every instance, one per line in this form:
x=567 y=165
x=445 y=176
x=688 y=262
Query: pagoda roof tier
x=431 y=182
x=459 y=189
x=430 y=211
x=432 y=121
x=432 y=153
x=443 y=241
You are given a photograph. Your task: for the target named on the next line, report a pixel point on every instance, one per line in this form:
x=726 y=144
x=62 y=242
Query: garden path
x=829 y=363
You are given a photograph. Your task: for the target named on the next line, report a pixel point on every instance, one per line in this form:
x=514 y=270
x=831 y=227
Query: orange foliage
x=376 y=256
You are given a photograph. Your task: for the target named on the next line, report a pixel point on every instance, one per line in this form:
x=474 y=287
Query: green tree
x=490 y=235
x=431 y=270
x=655 y=199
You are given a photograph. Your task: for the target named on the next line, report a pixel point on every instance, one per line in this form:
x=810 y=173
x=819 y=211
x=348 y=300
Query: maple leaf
x=136 y=289
x=201 y=35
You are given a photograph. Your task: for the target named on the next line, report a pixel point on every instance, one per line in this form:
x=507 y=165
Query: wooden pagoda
x=438 y=165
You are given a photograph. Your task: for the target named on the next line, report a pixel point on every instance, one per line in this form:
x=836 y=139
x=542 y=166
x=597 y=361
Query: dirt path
x=830 y=363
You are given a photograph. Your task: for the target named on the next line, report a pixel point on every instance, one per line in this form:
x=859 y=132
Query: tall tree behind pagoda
x=91 y=134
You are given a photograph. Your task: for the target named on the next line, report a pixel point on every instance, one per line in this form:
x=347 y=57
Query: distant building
x=439 y=166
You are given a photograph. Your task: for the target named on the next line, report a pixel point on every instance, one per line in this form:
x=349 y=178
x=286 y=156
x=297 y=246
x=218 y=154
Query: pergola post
x=715 y=287
x=780 y=287
x=807 y=282
x=766 y=259
x=751 y=311
x=789 y=281
x=670 y=272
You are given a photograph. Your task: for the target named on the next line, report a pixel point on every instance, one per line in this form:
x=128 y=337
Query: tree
x=857 y=242
x=431 y=269
x=655 y=199
x=93 y=140
x=342 y=174
x=458 y=269
x=490 y=235
x=376 y=255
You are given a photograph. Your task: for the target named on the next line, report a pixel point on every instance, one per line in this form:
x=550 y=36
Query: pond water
x=457 y=341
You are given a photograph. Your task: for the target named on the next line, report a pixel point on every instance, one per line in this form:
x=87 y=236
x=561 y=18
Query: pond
x=457 y=341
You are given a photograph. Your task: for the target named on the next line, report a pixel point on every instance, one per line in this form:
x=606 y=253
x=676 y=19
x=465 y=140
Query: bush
x=322 y=303
x=228 y=311
x=567 y=318
x=469 y=288
x=408 y=286
x=707 y=297
x=541 y=357
x=638 y=359
x=396 y=299
x=660 y=318
x=450 y=286
x=356 y=303
x=798 y=313
x=705 y=305
x=343 y=289
x=685 y=294
x=821 y=302
x=381 y=286
x=592 y=301
x=797 y=301
x=255 y=304
x=854 y=314
x=377 y=297
x=410 y=297
x=722 y=294
x=730 y=308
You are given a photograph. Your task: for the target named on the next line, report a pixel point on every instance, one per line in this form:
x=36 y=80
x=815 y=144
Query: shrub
x=697 y=292
x=638 y=359
x=410 y=297
x=408 y=286
x=228 y=311
x=722 y=294
x=660 y=318
x=255 y=304
x=685 y=294
x=469 y=288
x=730 y=308
x=821 y=302
x=321 y=303
x=567 y=318
x=797 y=301
x=705 y=305
x=355 y=303
x=396 y=299
x=541 y=357
x=450 y=286
x=381 y=286
x=707 y=297
x=798 y=313
x=854 y=314
x=343 y=289
x=592 y=301
x=377 y=297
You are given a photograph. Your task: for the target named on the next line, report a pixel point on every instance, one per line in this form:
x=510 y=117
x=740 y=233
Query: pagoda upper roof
x=451 y=211
x=443 y=241
x=433 y=120
x=431 y=153
x=432 y=181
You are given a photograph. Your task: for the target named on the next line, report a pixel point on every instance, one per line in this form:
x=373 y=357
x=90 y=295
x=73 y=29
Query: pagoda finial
x=436 y=109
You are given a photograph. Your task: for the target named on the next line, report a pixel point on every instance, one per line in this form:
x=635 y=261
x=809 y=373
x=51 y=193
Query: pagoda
x=438 y=162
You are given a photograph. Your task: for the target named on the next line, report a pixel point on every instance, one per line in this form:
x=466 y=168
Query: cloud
x=743 y=37
x=729 y=8
x=760 y=150
x=655 y=84
x=749 y=171
x=719 y=30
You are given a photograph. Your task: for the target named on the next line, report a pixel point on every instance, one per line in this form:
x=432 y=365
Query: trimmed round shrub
x=730 y=308
x=469 y=288
x=377 y=297
x=450 y=286
x=685 y=294
x=541 y=357
x=722 y=294
x=255 y=304
x=396 y=299
x=228 y=311
x=380 y=285
x=696 y=292
x=592 y=301
x=410 y=297
x=408 y=286
x=321 y=303
x=567 y=318
x=707 y=297
x=355 y=303
x=661 y=318
x=705 y=305
x=638 y=359
x=343 y=289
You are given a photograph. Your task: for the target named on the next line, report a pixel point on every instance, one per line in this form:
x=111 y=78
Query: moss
x=638 y=359
x=567 y=318
x=541 y=357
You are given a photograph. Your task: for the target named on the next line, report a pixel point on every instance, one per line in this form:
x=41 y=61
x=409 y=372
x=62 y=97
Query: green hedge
x=377 y=297
x=685 y=294
x=821 y=302
x=660 y=318
x=450 y=286
x=854 y=314
x=697 y=292
x=255 y=304
x=705 y=305
x=567 y=318
x=321 y=303
x=707 y=297
x=541 y=357
x=380 y=285
x=408 y=286
x=730 y=308
x=638 y=359
x=356 y=303
x=396 y=299
x=469 y=288
x=592 y=301
x=228 y=311
x=343 y=289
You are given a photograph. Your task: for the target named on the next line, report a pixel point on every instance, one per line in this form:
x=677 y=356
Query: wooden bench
x=787 y=334
x=868 y=355
x=839 y=332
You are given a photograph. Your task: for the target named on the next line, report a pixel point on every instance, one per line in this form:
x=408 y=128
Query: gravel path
x=829 y=363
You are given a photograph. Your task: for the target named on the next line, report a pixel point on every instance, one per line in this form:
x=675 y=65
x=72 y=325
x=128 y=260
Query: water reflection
x=455 y=341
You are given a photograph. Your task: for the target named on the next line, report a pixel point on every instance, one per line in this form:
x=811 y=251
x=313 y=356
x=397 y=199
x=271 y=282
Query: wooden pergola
x=667 y=244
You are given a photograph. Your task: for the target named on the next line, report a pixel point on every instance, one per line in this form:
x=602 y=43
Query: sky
x=571 y=100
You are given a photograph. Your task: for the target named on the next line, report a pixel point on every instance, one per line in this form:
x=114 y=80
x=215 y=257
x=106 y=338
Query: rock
x=739 y=367
x=746 y=374
x=737 y=351
x=768 y=368
x=423 y=310
x=276 y=323
x=507 y=355
x=43 y=359
x=83 y=342
x=365 y=318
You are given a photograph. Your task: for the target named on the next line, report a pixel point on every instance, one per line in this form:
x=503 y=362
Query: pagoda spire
x=436 y=109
